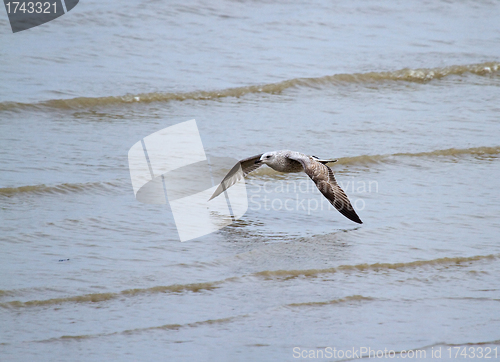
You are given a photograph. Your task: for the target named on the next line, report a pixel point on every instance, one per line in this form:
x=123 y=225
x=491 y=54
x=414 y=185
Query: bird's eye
x=268 y=156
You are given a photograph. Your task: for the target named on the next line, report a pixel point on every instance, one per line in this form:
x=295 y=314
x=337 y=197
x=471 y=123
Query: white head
x=268 y=158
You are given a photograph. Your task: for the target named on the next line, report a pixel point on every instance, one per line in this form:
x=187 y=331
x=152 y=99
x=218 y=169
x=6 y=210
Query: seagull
x=291 y=161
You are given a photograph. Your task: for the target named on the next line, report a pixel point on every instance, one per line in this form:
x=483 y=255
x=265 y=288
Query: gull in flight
x=291 y=161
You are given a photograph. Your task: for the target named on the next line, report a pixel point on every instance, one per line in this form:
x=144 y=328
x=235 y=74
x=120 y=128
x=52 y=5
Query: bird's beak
x=258 y=161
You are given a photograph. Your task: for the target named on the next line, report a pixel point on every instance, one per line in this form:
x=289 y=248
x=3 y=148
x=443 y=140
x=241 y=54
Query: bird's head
x=267 y=158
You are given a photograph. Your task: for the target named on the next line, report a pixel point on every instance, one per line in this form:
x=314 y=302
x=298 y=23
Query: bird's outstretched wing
x=246 y=166
x=324 y=179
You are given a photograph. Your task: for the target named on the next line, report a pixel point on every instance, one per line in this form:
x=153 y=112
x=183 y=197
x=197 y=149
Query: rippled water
x=404 y=94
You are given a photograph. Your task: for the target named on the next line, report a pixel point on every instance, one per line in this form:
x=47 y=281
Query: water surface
x=404 y=94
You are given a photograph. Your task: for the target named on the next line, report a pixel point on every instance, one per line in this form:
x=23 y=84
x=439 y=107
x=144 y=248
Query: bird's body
x=280 y=161
x=291 y=161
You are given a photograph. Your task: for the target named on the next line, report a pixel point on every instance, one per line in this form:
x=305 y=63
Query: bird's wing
x=241 y=169
x=324 y=179
x=248 y=164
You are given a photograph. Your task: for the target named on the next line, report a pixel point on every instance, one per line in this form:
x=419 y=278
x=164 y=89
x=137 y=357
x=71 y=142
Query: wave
x=422 y=75
x=450 y=152
x=102 y=297
x=352 y=298
x=266 y=275
x=289 y=274
x=176 y=326
x=64 y=188
x=173 y=326
x=482 y=343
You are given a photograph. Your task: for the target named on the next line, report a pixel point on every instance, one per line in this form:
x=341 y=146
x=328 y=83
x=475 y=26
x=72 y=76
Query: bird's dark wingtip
x=352 y=216
x=356 y=219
